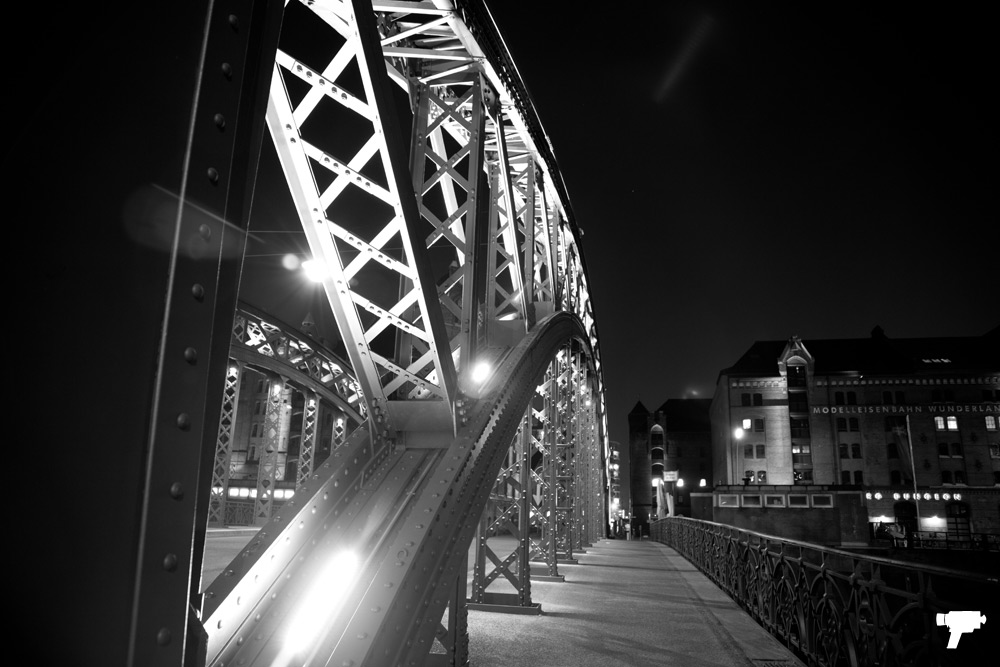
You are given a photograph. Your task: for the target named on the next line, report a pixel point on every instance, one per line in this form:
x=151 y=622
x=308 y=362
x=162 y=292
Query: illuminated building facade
x=913 y=425
x=669 y=447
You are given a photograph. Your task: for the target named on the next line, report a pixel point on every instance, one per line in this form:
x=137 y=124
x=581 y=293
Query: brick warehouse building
x=886 y=430
x=671 y=446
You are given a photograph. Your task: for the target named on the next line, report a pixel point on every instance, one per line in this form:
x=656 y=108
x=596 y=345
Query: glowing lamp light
x=738 y=433
x=314 y=270
x=702 y=482
x=680 y=482
x=656 y=482
x=480 y=372
x=321 y=602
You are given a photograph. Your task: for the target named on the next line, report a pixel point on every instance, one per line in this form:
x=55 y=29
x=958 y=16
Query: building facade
x=910 y=424
x=670 y=456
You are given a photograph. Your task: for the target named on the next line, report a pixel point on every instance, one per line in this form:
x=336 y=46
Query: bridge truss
x=449 y=247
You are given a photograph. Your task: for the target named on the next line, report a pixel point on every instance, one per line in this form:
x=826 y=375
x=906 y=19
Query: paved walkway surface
x=624 y=603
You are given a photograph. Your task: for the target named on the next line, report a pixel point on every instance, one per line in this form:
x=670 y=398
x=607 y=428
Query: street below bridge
x=623 y=603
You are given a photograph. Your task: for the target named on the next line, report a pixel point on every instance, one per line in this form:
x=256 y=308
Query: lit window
x=747 y=423
x=762 y=477
x=991 y=423
x=801 y=454
x=952 y=423
x=939 y=423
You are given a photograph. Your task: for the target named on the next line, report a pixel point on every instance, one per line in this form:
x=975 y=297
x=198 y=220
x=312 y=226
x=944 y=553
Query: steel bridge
x=471 y=387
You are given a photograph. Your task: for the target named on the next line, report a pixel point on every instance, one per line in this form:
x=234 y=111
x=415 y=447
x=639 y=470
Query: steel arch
x=426 y=504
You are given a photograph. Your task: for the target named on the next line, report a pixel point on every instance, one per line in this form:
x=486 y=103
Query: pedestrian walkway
x=626 y=603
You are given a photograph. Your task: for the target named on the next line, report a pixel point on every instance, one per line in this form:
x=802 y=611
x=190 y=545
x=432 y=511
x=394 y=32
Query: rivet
x=205 y=231
x=234 y=21
x=170 y=562
x=190 y=355
x=183 y=421
x=227 y=70
x=176 y=490
x=198 y=292
x=220 y=121
x=213 y=174
x=163 y=637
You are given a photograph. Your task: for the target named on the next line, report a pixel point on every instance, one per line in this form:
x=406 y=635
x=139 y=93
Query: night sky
x=752 y=171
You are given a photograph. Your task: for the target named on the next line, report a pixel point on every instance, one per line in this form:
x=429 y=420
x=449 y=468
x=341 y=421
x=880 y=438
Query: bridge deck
x=624 y=603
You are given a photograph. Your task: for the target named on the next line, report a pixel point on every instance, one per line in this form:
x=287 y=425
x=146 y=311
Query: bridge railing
x=831 y=607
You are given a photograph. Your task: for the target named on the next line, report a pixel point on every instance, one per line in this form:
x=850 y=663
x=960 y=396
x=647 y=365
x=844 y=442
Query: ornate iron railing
x=833 y=608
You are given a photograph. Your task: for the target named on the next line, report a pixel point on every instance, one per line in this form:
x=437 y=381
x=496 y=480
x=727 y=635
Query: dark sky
x=752 y=171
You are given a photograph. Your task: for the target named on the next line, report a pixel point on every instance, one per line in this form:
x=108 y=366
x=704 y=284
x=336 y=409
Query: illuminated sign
x=902 y=409
x=896 y=495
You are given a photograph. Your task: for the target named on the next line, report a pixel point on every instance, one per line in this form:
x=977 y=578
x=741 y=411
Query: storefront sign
x=991 y=408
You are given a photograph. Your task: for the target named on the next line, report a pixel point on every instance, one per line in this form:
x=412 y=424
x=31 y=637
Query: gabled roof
x=877 y=354
x=639 y=409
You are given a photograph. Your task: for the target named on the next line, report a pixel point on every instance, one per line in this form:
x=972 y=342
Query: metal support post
x=510 y=501
x=546 y=478
x=224 y=445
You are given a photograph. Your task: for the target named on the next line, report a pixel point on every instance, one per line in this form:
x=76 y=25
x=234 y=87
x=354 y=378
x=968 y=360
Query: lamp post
x=738 y=434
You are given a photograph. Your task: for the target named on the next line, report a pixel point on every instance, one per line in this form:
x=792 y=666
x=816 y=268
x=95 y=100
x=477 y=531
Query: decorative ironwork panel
x=832 y=607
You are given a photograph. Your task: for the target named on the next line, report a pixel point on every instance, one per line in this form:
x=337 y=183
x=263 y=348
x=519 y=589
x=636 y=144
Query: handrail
x=828 y=605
